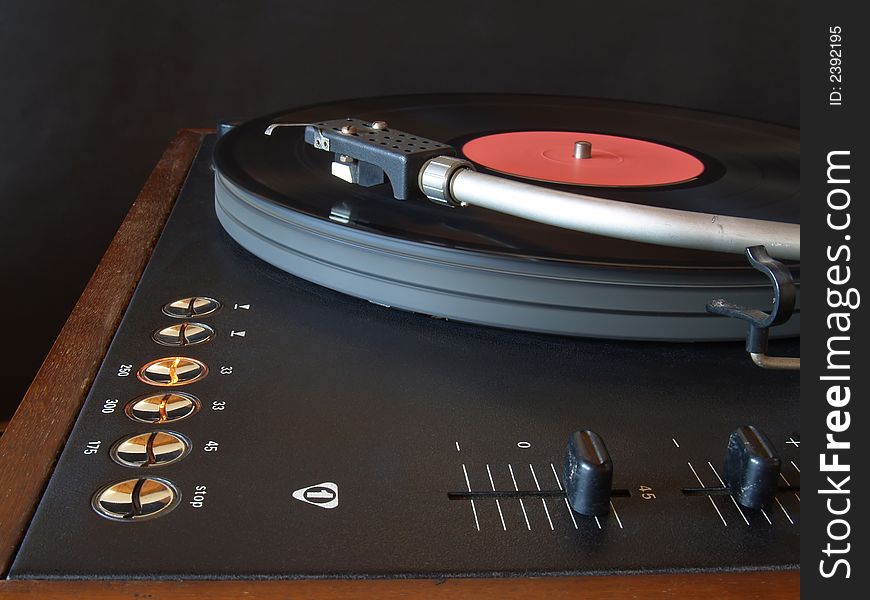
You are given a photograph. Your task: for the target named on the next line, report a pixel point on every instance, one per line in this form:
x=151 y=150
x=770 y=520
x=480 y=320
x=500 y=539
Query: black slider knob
x=751 y=467
x=588 y=474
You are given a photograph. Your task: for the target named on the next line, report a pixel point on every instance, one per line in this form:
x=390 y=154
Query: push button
x=135 y=499
x=183 y=334
x=150 y=449
x=173 y=370
x=195 y=306
x=162 y=408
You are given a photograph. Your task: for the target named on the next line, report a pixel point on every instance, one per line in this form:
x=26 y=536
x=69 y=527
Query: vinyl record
x=275 y=195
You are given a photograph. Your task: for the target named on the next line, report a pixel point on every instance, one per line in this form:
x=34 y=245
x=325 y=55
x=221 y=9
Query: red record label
x=614 y=161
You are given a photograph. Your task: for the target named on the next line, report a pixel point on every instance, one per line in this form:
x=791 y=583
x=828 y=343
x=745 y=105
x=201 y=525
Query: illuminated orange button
x=172 y=371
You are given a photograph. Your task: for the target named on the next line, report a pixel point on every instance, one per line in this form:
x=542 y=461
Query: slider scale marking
x=473 y=508
x=737 y=506
x=522 y=505
x=785 y=512
x=725 y=491
x=543 y=500
x=615 y=514
x=497 y=503
x=710 y=498
x=796 y=468
x=539 y=492
x=568 y=506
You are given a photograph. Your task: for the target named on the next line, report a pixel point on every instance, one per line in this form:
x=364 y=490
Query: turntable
x=495 y=343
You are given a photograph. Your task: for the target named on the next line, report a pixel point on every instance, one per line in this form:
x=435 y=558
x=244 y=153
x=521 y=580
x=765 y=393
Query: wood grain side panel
x=37 y=432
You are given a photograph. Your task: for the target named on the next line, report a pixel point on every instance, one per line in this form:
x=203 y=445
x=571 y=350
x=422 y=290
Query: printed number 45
x=646 y=492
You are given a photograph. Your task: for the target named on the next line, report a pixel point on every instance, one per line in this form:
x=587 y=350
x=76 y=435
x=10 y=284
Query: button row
x=147 y=497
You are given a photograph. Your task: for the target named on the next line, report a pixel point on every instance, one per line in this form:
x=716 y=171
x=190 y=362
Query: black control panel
x=246 y=423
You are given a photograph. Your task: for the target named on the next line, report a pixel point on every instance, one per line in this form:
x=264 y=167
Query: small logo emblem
x=324 y=495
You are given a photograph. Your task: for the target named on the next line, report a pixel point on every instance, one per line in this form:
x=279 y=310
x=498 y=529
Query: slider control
x=588 y=474
x=751 y=467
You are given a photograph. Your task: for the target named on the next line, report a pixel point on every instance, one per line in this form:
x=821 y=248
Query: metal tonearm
x=366 y=151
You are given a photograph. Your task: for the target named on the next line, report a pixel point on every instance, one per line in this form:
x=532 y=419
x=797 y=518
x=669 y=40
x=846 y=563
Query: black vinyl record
x=270 y=185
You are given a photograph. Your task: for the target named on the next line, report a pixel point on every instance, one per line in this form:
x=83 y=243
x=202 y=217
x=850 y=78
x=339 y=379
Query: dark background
x=91 y=92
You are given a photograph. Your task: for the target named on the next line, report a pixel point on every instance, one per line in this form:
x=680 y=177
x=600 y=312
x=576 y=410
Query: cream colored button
x=172 y=371
x=162 y=408
x=195 y=306
x=135 y=499
x=150 y=449
x=183 y=334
